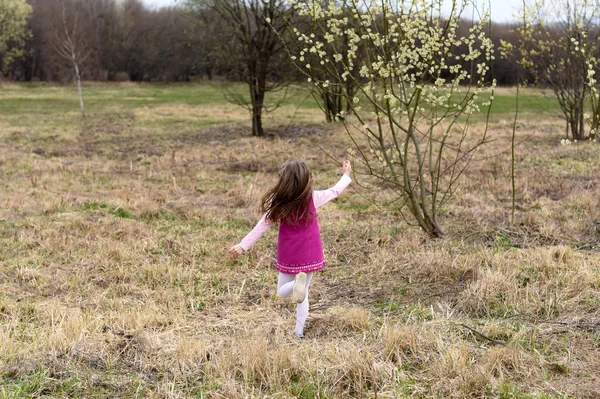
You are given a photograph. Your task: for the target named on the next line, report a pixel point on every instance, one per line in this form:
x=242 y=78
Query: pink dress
x=299 y=248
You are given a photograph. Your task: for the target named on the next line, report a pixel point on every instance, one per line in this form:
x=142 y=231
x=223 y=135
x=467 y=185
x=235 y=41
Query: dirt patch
x=110 y=135
x=114 y=123
x=295 y=132
x=226 y=133
x=213 y=135
x=249 y=166
x=108 y=146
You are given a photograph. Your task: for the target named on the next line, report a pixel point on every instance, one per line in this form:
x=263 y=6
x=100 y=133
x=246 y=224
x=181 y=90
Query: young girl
x=292 y=204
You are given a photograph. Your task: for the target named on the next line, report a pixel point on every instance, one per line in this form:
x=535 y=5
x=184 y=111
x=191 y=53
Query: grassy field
x=114 y=280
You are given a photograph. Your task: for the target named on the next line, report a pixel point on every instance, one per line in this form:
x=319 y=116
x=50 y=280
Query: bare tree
x=556 y=39
x=257 y=26
x=70 y=43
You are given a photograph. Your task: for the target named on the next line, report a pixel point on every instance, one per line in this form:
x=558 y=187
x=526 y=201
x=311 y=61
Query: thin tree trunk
x=257 y=97
x=257 y=84
x=78 y=77
x=429 y=224
x=332 y=102
x=327 y=107
x=257 y=128
x=573 y=125
x=595 y=126
x=339 y=93
x=581 y=124
x=349 y=95
x=512 y=157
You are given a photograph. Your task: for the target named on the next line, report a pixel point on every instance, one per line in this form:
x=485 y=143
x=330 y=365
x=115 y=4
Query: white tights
x=285 y=286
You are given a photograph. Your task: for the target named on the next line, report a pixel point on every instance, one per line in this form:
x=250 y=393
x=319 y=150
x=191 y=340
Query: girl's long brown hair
x=289 y=199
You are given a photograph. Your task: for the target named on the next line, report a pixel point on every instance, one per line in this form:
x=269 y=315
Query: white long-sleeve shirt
x=320 y=198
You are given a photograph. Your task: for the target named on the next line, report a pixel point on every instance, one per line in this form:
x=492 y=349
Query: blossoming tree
x=416 y=92
x=590 y=48
x=558 y=43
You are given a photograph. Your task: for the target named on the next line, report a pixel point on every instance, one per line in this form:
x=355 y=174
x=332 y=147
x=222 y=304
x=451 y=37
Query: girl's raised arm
x=321 y=197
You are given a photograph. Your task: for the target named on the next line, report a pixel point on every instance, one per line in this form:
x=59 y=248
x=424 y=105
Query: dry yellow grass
x=114 y=280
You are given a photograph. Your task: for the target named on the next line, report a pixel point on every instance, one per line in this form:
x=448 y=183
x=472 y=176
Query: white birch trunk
x=78 y=77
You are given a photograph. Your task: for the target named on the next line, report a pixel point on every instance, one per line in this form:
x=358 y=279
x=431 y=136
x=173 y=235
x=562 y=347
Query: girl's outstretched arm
x=261 y=227
x=322 y=197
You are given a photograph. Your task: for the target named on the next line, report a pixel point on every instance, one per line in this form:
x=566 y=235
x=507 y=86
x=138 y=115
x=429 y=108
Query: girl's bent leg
x=302 y=309
x=285 y=285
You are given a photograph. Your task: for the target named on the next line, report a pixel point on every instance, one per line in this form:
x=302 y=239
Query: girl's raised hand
x=347 y=168
x=236 y=251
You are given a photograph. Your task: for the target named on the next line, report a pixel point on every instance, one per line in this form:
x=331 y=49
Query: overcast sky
x=159 y=3
x=502 y=10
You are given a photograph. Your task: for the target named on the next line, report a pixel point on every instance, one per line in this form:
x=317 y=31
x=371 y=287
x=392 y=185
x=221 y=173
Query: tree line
x=120 y=41
x=126 y=40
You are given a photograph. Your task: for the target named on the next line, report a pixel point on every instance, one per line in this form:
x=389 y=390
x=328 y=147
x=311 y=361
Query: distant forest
x=128 y=41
